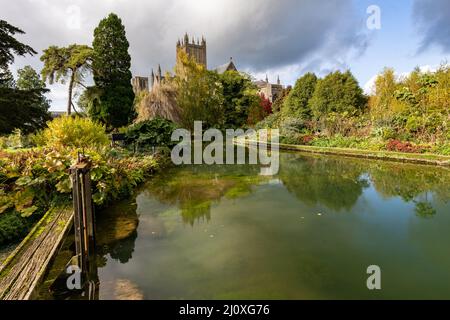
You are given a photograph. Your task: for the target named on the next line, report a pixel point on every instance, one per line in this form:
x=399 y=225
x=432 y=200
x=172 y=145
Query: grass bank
x=419 y=158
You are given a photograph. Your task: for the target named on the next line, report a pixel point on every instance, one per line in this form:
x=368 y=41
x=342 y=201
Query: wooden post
x=83 y=216
x=84 y=225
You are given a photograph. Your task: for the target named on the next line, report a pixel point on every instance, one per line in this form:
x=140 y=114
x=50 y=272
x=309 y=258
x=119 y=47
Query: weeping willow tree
x=161 y=102
x=193 y=94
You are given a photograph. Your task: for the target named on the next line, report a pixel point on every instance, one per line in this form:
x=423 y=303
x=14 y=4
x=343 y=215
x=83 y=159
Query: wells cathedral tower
x=195 y=50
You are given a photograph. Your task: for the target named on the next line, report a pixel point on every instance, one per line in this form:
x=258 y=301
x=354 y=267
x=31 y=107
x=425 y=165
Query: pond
x=311 y=232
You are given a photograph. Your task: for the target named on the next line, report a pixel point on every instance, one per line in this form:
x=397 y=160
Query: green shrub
x=292 y=130
x=414 y=123
x=31 y=181
x=388 y=133
x=12 y=227
x=16 y=140
x=339 y=141
x=3 y=144
x=151 y=133
x=443 y=149
x=270 y=122
x=74 y=132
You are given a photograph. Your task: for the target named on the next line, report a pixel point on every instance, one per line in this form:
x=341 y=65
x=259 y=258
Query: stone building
x=229 y=66
x=139 y=84
x=195 y=50
x=156 y=78
x=270 y=90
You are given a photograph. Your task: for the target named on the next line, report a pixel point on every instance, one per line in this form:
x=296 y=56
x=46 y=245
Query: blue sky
x=273 y=37
x=396 y=44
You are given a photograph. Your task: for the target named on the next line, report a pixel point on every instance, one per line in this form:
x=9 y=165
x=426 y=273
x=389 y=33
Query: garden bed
x=420 y=158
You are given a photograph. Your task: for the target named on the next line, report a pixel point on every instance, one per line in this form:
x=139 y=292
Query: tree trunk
x=69 y=103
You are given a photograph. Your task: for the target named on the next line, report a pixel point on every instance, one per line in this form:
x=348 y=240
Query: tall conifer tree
x=112 y=74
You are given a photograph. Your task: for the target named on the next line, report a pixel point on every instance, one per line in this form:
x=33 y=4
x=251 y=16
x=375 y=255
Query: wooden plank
x=78 y=225
x=23 y=271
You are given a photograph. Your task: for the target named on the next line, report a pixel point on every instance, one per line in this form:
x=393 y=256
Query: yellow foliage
x=73 y=132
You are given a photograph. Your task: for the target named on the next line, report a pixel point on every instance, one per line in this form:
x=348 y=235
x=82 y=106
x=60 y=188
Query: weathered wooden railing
x=24 y=269
x=22 y=272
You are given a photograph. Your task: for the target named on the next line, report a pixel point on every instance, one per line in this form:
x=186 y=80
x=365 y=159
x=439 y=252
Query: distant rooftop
x=260 y=83
x=56 y=114
x=226 y=67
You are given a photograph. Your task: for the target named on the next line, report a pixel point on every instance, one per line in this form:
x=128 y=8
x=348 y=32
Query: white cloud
x=286 y=37
x=58 y=95
x=369 y=86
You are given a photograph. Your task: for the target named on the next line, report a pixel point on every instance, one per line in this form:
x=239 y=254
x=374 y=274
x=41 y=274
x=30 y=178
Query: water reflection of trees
x=333 y=182
x=195 y=189
x=409 y=181
x=337 y=183
x=117 y=232
x=413 y=183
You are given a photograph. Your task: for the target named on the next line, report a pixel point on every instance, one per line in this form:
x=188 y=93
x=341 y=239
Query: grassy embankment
x=420 y=158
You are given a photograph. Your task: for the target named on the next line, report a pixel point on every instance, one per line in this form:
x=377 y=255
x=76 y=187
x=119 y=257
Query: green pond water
x=226 y=232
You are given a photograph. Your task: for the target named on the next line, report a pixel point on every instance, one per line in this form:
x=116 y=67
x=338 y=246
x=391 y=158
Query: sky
x=284 y=38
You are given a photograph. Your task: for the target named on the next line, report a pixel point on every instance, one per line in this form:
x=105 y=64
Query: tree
x=281 y=98
x=20 y=108
x=338 y=92
x=199 y=94
x=89 y=100
x=112 y=73
x=259 y=111
x=161 y=102
x=29 y=79
x=239 y=94
x=7 y=79
x=10 y=46
x=297 y=103
x=383 y=104
x=62 y=63
x=266 y=105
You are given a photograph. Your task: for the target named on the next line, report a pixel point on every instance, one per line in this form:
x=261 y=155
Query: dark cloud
x=260 y=35
x=292 y=32
x=433 y=23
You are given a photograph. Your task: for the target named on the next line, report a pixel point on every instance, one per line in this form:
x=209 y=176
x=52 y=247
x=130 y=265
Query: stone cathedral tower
x=195 y=49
